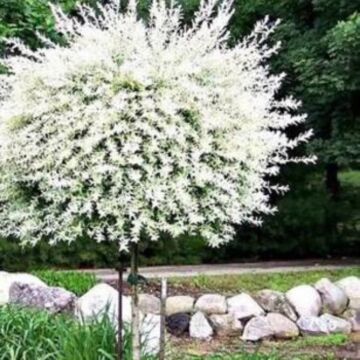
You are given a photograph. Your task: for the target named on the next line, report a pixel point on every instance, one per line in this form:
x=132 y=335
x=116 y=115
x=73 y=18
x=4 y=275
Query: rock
x=100 y=300
x=353 y=316
x=334 y=299
x=179 y=304
x=200 y=327
x=257 y=328
x=211 y=304
x=312 y=325
x=351 y=287
x=305 y=299
x=226 y=325
x=325 y=324
x=149 y=304
x=243 y=306
x=150 y=334
x=282 y=327
x=52 y=299
x=275 y=301
x=178 y=324
x=7 y=279
x=335 y=324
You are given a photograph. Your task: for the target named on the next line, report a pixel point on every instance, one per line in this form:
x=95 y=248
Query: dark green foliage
x=321 y=215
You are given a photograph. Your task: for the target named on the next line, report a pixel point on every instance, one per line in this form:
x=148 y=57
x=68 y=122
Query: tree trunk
x=135 y=305
x=332 y=180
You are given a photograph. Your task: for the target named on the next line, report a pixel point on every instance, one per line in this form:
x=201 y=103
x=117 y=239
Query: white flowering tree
x=135 y=129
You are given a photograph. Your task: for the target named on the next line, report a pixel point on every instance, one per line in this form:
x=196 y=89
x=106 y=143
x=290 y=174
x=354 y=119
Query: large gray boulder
x=179 y=304
x=211 y=304
x=102 y=300
x=305 y=300
x=282 y=327
x=7 y=279
x=52 y=299
x=312 y=325
x=325 y=324
x=335 y=324
x=244 y=307
x=275 y=301
x=200 y=327
x=226 y=325
x=333 y=298
x=351 y=287
x=257 y=328
x=149 y=304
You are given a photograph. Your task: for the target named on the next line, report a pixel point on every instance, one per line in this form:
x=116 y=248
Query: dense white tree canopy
x=135 y=128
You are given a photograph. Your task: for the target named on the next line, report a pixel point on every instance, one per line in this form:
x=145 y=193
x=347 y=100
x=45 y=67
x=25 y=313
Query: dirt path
x=227 y=269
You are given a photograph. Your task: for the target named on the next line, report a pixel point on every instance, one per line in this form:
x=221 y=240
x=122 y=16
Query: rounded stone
x=282 y=327
x=178 y=324
x=149 y=304
x=351 y=287
x=211 y=304
x=333 y=297
x=243 y=306
x=200 y=327
x=305 y=300
x=226 y=325
x=179 y=304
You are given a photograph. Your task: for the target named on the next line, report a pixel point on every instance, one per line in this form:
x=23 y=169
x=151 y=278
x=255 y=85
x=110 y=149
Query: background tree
x=327 y=83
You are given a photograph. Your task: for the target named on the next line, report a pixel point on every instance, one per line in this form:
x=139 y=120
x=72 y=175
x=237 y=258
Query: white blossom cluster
x=137 y=128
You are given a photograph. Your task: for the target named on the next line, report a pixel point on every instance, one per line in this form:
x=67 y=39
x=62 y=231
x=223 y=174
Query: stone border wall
x=318 y=309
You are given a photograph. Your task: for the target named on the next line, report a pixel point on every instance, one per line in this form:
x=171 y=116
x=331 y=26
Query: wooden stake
x=135 y=304
x=162 y=318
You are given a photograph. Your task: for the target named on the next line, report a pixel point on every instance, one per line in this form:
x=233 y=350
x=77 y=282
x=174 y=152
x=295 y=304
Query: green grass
x=255 y=282
x=78 y=283
x=350 y=178
x=37 y=335
x=323 y=341
x=306 y=348
x=239 y=356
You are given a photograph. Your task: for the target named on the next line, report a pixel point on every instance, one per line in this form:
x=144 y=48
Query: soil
x=187 y=346
x=154 y=287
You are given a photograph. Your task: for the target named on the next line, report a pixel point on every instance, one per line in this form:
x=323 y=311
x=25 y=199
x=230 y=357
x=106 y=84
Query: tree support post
x=162 y=318
x=136 y=347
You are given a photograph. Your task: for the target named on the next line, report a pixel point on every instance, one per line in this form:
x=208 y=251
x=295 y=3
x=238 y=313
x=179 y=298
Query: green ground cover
x=255 y=282
x=78 y=283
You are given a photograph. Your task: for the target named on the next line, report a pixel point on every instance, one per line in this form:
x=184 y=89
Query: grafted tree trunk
x=136 y=347
x=120 y=351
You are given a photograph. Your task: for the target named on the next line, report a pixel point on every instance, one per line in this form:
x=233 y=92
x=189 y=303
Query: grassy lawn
x=229 y=284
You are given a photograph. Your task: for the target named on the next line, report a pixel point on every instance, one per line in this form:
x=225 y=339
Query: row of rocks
x=323 y=308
